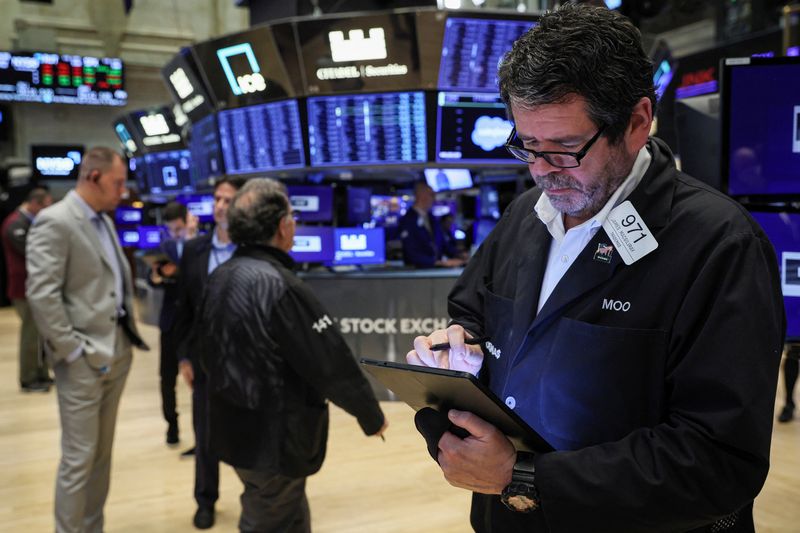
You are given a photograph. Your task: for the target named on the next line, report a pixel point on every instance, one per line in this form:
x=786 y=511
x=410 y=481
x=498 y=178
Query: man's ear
x=639 y=125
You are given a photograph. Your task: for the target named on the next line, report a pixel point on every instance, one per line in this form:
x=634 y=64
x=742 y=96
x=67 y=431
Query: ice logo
x=491 y=133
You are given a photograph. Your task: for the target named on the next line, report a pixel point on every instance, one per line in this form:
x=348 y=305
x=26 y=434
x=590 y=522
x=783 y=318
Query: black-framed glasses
x=556 y=159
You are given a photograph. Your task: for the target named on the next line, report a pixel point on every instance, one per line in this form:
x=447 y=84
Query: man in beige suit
x=80 y=291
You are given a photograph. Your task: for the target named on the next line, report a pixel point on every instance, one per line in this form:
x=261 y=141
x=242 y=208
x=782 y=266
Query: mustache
x=554 y=180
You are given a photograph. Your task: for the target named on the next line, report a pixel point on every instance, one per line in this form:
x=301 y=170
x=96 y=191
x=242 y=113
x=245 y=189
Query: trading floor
x=365 y=485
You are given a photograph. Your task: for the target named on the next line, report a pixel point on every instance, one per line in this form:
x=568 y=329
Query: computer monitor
x=783 y=230
x=387 y=209
x=448 y=179
x=472 y=128
x=698 y=132
x=127 y=215
x=313 y=244
x=137 y=172
x=168 y=172
x=359 y=246
x=311 y=203
x=367 y=129
x=206 y=152
x=184 y=83
x=359 y=209
x=261 y=138
x=200 y=205
x=761 y=126
x=129 y=237
x=481 y=230
x=56 y=162
x=442 y=208
x=150 y=236
x=155 y=129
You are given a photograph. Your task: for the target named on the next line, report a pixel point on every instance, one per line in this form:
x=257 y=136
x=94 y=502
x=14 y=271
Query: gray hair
x=580 y=50
x=256 y=211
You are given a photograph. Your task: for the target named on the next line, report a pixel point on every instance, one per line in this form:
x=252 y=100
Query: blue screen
x=129 y=237
x=313 y=244
x=472 y=127
x=126 y=215
x=764 y=129
x=150 y=236
x=472 y=50
x=367 y=129
x=168 y=171
x=200 y=205
x=783 y=230
x=311 y=203
x=359 y=209
x=359 y=246
x=448 y=179
x=261 y=138
x=205 y=149
x=387 y=210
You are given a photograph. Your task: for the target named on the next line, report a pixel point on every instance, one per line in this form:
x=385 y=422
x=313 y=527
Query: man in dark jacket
x=273 y=358
x=423 y=241
x=634 y=315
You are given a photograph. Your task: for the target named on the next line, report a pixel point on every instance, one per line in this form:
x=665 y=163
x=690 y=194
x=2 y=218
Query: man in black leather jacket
x=273 y=358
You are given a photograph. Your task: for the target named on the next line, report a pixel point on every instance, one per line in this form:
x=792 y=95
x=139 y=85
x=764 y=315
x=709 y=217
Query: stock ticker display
x=62 y=79
x=261 y=138
x=367 y=129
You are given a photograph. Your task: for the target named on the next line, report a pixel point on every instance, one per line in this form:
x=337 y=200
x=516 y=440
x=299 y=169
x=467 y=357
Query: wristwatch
x=521 y=495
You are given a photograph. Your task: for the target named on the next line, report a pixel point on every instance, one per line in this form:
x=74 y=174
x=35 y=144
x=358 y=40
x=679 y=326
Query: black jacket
x=655 y=381
x=193 y=274
x=273 y=357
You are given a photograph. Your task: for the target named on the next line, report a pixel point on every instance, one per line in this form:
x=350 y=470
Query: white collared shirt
x=566 y=245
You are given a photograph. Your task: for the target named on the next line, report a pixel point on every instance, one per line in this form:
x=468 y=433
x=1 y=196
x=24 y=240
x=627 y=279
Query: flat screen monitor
x=387 y=209
x=761 y=126
x=126 y=215
x=168 y=172
x=313 y=244
x=311 y=203
x=62 y=79
x=698 y=131
x=472 y=50
x=129 y=237
x=200 y=205
x=138 y=173
x=366 y=129
x=359 y=246
x=448 y=179
x=359 y=209
x=783 y=230
x=472 y=128
x=261 y=138
x=55 y=162
x=186 y=87
x=155 y=129
x=205 y=149
x=150 y=236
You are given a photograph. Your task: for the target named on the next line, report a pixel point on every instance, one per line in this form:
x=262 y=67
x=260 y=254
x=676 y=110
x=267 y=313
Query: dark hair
x=38 y=194
x=98 y=158
x=174 y=211
x=237 y=182
x=256 y=211
x=580 y=50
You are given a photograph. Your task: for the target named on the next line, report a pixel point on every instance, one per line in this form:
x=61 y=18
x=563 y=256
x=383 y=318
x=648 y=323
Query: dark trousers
x=272 y=503
x=168 y=371
x=206 y=463
x=790 y=371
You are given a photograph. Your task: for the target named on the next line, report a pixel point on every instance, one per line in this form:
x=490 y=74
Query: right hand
x=168 y=270
x=186 y=370
x=460 y=356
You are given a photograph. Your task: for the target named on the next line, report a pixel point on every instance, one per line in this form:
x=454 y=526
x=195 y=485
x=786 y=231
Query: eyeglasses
x=556 y=159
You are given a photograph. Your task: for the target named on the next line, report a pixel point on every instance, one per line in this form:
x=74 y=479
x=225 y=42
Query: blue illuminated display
x=313 y=244
x=359 y=246
x=225 y=53
x=367 y=129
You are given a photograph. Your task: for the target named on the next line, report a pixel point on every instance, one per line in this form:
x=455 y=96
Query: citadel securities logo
x=246 y=83
x=357 y=48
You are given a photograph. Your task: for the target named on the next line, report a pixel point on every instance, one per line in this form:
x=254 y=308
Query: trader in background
x=181 y=226
x=201 y=256
x=34 y=373
x=634 y=315
x=422 y=237
x=81 y=295
x=273 y=358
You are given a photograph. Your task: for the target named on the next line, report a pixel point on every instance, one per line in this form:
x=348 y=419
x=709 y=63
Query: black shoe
x=204 y=518
x=787 y=414
x=172 y=433
x=36 y=386
x=188 y=453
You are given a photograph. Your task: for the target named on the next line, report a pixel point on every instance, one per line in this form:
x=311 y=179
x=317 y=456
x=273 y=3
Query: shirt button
x=511 y=402
x=564 y=258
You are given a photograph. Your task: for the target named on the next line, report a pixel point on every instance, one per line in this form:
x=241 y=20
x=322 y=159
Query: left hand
x=483 y=462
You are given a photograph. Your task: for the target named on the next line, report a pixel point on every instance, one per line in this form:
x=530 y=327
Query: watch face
x=520 y=497
x=520 y=503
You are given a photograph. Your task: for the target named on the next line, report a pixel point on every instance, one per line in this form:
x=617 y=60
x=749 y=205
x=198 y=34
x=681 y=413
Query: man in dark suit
x=200 y=257
x=34 y=375
x=181 y=226
x=423 y=241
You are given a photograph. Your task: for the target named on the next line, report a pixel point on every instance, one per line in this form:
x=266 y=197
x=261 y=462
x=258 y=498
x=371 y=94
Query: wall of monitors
x=62 y=79
x=364 y=129
x=261 y=138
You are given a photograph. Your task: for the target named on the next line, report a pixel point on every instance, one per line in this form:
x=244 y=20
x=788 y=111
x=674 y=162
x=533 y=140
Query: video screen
x=359 y=209
x=311 y=203
x=387 y=210
x=185 y=86
x=156 y=129
x=367 y=129
x=313 y=244
x=761 y=142
x=359 y=246
x=54 y=162
x=150 y=236
x=261 y=138
x=472 y=128
x=168 y=172
x=205 y=149
x=126 y=215
x=62 y=79
x=783 y=230
x=200 y=205
x=472 y=51
x=129 y=237
x=448 y=179
x=138 y=173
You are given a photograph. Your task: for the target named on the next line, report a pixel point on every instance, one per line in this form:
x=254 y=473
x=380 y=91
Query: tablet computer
x=440 y=389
